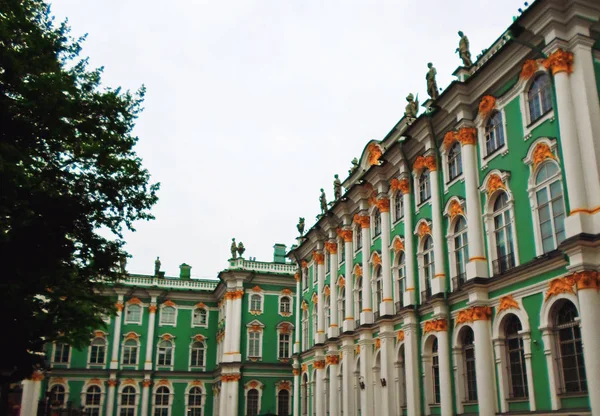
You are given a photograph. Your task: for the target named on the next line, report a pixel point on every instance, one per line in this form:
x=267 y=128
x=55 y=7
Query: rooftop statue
x=463 y=50
x=323 y=201
x=337 y=187
x=432 y=88
x=241 y=249
x=412 y=107
x=354 y=166
x=156 y=266
x=233 y=249
x=123 y=263
x=300 y=226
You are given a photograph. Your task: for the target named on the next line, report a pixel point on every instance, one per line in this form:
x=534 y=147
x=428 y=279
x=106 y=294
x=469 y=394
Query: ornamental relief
x=508 y=302
x=486 y=105
x=435 y=325
x=374 y=153
x=541 y=152
x=345 y=234
x=475 y=313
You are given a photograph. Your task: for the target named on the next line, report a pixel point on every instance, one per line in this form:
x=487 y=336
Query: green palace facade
x=457 y=272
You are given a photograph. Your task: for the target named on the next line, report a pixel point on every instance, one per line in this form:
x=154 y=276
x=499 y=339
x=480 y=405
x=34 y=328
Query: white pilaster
x=114 y=360
x=348 y=324
x=333 y=304
x=319 y=397
x=589 y=305
x=366 y=375
x=223 y=410
x=319 y=258
x=438 y=284
x=145 y=394
x=228 y=327
x=366 y=315
x=529 y=367
x=110 y=395
x=388 y=402
x=31 y=394
x=445 y=374
x=333 y=360
x=296 y=397
x=409 y=250
x=484 y=368
x=235 y=353
x=348 y=377
x=411 y=362
x=298 y=331
x=150 y=338
x=387 y=305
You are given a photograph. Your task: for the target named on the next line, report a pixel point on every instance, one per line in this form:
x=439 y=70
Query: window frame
x=128 y=308
x=62 y=345
x=91 y=352
x=170 y=349
x=255 y=328
x=398 y=203
x=64 y=393
x=193 y=348
x=252 y=304
x=169 y=395
x=134 y=406
x=188 y=394
x=523 y=87
x=200 y=324
x=290 y=299
x=161 y=321
x=137 y=351
x=95 y=406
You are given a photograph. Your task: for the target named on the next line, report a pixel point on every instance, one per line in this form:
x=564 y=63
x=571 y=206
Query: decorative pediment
x=255 y=326
x=257 y=289
x=454 y=207
x=200 y=305
x=398 y=244
x=131 y=335
x=315 y=298
x=375 y=259
x=487 y=105
x=327 y=291
x=169 y=303
x=100 y=334
x=166 y=337
x=304 y=305
x=129 y=382
x=423 y=227
x=199 y=338
x=358 y=272
x=134 y=301
x=286 y=292
x=494 y=181
x=341 y=282
x=285 y=327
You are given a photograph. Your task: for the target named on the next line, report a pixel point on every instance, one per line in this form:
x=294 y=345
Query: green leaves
x=67 y=169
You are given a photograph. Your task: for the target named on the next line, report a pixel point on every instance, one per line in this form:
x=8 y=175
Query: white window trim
x=260 y=311
x=291 y=329
x=205 y=325
x=488 y=218
x=398 y=294
x=83 y=395
x=523 y=86
x=355 y=231
x=418 y=203
x=451 y=235
x=341 y=246
x=187 y=394
x=259 y=388
x=481 y=122
x=532 y=188
x=128 y=322
x=89 y=354
x=194 y=367
x=341 y=306
x=171 y=339
x=68 y=363
x=171 y=396
x=291 y=298
x=421 y=256
x=65 y=385
x=396 y=195
x=160 y=318
x=372 y=213
x=137 y=398
x=137 y=357
x=249 y=327
x=446 y=167
x=427 y=358
x=277 y=391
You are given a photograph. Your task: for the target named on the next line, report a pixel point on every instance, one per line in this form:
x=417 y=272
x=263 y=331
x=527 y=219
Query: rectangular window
x=61 y=353
x=284 y=345
x=167 y=315
x=254 y=344
x=133 y=315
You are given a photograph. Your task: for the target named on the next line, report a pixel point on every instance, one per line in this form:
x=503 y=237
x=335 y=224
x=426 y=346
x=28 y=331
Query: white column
x=387 y=336
x=484 y=368
x=366 y=372
x=333 y=360
x=319 y=259
x=445 y=376
x=233 y=395
x=319 y=396
x=348 y=324
x=530 y=383
x=477 y=263
x=236 y=307
x=438 y=284
x=31 y=394
x=333 y=304
x=589 y=309
x=348 y=376
x=500 y=359
x=409 y=250
x=387 y=305
x=150 y=338
x=571 y=151
x=366 y=315
x=298 y=331
x=145 y=394
x=228 y=326
x=110 y=396
x=296 y=398
x=114 y=360
x=223 y=410
x=411 y=363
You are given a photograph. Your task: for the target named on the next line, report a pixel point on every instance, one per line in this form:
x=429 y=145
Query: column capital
x=467 y=135
x=332 y=359
x=383 y=204
x=119 y=306
x=559 y=61
x=474 y=313
x=401 y=185
x=436 y=325
x=331 y=247
x=423 y=162
x=152 y=308
x=318 y=257
x=345 y=234
x=363 y=220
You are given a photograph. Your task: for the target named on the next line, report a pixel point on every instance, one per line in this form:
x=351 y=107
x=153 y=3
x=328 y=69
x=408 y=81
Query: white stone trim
x=64 y=383
x=480 y=124
x=171 y=339
x=446 y=167
x=190 y=366
x=249 y=326
x=89 y=364
x=193 y=310
x=137 y=349
x=137 y=398
x=83 y=394
x=126 y=310
x=160 y=318
x=523 y=86
x=252 y=294
x=291 y=298
x=171 y=396
x=202 y=388
x=259 y=388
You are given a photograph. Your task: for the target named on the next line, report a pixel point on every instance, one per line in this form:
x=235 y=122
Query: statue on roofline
x=412 y=107
x=241 y=249
x=323 y=202
x=463 y=50
x=300 y=226
x=233 y=249
x=432 y=88
x=354 y=166
x=156 y=266
x=337 y=187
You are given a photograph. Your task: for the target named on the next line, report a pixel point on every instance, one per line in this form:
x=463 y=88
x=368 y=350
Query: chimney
x=279 y=253
x=185 y=271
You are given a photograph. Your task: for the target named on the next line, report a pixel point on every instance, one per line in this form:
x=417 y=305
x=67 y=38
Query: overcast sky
x=252 y=106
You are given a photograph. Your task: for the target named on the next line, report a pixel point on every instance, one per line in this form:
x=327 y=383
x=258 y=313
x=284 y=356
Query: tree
x=71 y=183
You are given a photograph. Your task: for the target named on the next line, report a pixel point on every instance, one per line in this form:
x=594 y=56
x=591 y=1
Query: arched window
x=304 y=393
x=134 y=314
x=327 y=261
x=398 y=206
x=454 y=161
x=569 y=349
x=194 y=405
x=461 y=251
x=57 y=395
x=314 y=324
x=539 y=97
x=327 y=310
x=97 y=350
x=550 y=206
x=435 y=370
x=341 y=251
x=130 y=352
x=517 y=373
x=424 y=186
x=167 y=315
x=127 y=406
x=92 y=401
x=428 y=264
x=252 y=403
x=304 y=329
x=401 y=277
x=401 y=378
x=358 y=289
x=358 y=237
x=285 y=305
x=494 y=133
x=283 y=403
x=378 y=287
x=468 y=350
x=342 y=305
x=256 y=302
x=376 y=222
x=197 y=354
x=505 y=258
x=162 y=401
x=165 y=353
x=200 y=317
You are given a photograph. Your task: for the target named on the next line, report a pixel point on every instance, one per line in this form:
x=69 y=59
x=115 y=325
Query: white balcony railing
x=259 y=266
x=170 y=283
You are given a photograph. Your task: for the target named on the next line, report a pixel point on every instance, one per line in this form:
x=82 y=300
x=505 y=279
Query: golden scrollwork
x=357 y=349
x=474 y=313
x=508 y=302
x=449 y=139
x=315 y=298
x=528 y=69
x=295 y=371
x=332 y=359
x=587 y=279
x=435 y=325
x=169 y=303
x=327 y=291
x=486 y=105
x=358 y=272
x=559 y=61
x=285 y=385
x=494 y=183
x=119 y=306
x=383 y=204
x=304 y=305
x=345 y=234
x=132 y=335
x=377 y=343
x=400 y=336
x=200 y=305
x=304 y=264
x=372 y=199
x=227 y=378
x=422 y=162
x=455 y=209
x=319 y=364
x=331 y=247
x=253 y=384
x=199 y=338
x=394 y=184
x=37 y=376
x=134 y=301
x=467 y=135
x=423 y=229
x=129 y=382
x=318 y=257
x=376 y=259
x=560 y=285
x=166 y=337
x=152 y=308
x=542 y=152
x=375 y=153
x=304 y=368
x=363 y=220
x=286 y=292
x=197 y=383
x=146 y=382
x=297 y=277
x=404 y=186
x=342 y=282
x=256 y=289
x=112 y=382
x=398 y=245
